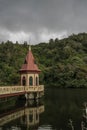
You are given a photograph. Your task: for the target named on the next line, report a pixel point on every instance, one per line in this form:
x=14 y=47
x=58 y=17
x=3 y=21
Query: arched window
x=31 y=118
x=23 y=81
x=37 y=81
x=37 y=116
x=30 y=81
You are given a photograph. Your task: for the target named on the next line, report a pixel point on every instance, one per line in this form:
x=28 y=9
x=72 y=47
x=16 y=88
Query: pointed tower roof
x=29 y=63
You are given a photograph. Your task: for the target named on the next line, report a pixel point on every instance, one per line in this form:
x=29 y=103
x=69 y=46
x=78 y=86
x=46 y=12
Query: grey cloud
x=32 y=16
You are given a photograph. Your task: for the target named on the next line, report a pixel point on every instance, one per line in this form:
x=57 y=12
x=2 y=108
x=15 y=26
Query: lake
x=61 y=109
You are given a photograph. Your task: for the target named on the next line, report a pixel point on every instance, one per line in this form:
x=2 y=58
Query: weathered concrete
x=29 y=91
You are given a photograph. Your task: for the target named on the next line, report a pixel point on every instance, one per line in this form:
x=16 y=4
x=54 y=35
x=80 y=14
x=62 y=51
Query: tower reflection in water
x=22 y=117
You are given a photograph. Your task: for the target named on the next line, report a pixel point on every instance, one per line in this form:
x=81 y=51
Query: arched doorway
x=30 y=81
x=37 y=80
x=23 y=81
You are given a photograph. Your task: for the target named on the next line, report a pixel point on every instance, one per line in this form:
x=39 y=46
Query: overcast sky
x=40 y=20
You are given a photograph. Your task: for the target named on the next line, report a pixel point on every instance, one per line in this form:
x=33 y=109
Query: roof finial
x=29 y=45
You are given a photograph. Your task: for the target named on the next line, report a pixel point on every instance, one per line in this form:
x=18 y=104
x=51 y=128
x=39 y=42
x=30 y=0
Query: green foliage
x=63 y=62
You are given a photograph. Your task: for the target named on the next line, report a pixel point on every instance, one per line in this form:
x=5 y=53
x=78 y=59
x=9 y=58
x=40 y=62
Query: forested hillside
x=63 y=62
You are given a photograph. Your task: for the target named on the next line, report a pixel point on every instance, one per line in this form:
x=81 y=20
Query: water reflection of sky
x=45 y=127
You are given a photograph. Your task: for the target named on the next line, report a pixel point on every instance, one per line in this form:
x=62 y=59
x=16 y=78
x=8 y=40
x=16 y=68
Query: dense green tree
x=63 y=62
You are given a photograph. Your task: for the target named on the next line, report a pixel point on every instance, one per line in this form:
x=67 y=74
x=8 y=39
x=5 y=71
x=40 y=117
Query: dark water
x=62 y=109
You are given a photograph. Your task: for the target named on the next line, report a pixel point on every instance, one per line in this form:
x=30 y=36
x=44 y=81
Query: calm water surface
x=62 y=109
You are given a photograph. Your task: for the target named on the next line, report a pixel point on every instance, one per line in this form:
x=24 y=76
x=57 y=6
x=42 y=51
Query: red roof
x=29 y=64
